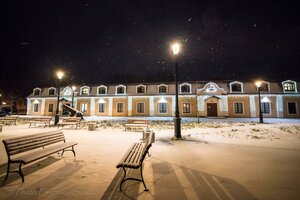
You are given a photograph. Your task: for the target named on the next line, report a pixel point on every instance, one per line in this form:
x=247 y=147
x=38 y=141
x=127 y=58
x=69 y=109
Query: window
x=141 y=89
x=36 y=92
x=120 y=89
x=185 y=88
x=238 y=108
x=265 y=108
x=50 y=108
x=85 y=91
x=289 y=87
x=35 y=107
x=162 y=89
x=120 y=107
x=236 y=87
x=140 y=107
x=264 y=87
x=83 y=107
x=186 y=107
x=51 y=91
x=292 y=108
x=101 y=107
x=162 y=107
x=102 y=90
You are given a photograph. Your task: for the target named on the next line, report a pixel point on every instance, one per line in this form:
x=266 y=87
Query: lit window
x=162 y=89
x=120 y=107
x=83 y=107
x=185 y=88
x=238 y=108
x=162 y=108
x=101 y=107
x=85 y=91
x=186 y=107
x=141 y=89
x=265 y=108
x=50 y=108
x=101 y=90
x=140 y=108
x=35 y=107
x=289 y=87
x=292 y=108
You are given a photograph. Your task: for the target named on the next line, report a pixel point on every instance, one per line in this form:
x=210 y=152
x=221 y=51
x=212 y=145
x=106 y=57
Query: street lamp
x=176 y=48
x=258 y=84
x=73 y=90
x=60 y=75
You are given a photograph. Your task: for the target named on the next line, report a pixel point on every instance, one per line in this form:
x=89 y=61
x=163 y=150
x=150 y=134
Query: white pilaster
x=129 y=104
x=43 y=106
x=173 y=105
x=201 y=101
x=28 y=106
x=92 y=107
x=279 y=103
x=151 y=105
x=252 y=106
x=110 y=106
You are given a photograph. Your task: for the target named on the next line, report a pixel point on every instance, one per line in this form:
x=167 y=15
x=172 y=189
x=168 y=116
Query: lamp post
x=176 y=48
x=60 y=75
x=73 y=90
x=258 y=84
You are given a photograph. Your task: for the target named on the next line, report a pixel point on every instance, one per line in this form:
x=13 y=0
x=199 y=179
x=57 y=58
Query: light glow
x=258 y=83
x=60 y=75
x=73 y=88
x=175 y=48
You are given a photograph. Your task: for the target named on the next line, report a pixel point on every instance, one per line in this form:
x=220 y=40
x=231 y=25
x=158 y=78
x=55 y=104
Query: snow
x=217 y=159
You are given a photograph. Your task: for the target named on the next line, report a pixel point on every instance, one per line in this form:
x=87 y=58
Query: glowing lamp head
x=60 y=75
x=258 y=83
x=175 y=48
x=73 y=88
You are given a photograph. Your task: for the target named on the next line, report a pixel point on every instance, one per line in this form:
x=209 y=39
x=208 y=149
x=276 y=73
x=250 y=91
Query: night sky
x=118 y=41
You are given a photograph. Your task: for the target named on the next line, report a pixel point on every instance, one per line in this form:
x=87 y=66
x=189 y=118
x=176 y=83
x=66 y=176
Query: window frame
x=122 y=108
x=289 y=82
x=141 y=86
x=137 y=107
x=296 y=107
x=162 y=85
x=234 y=107
x=102 y=104
x=49 y=106
x=39 y=91
x=236 y=83
x=54 y=91
x=100 y=87
x=83 y=89
x=121 y=86
x=159 y=107
x=85 y=105
x=183 y=108
x=35 y=107
x=263 y=108
x=188 y=85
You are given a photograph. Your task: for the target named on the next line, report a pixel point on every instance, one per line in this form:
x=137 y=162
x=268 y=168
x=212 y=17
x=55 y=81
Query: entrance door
x=212 y=110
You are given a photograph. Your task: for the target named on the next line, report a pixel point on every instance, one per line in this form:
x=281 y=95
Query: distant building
x=204 y=99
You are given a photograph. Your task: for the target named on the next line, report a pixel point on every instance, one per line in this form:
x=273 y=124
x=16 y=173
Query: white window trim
x=121 y=86
x=141 y=85
x=104 y=103
x=86 y=107
x=137 y=107
x=122 y=107
x=243 y=105
x=52 y=107
x=182 y=108
x=37 y=89
x=35 y=103
x=236 y=82
x=268 y=83
x=166 y=108
x=183 y=84
x=167 y=88
x=102 y=86
x=51 y=88
x=83 y=87
x=270 y=105
x=287 y=107
x=289 y=81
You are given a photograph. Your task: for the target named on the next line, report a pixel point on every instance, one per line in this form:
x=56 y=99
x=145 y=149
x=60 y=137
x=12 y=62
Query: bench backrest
x=137 y=121
x=147 y=146
x=29 y=142
x=71 y=119
x=11 y=118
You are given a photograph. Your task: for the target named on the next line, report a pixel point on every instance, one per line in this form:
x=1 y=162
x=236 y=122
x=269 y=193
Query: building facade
x=196 y=99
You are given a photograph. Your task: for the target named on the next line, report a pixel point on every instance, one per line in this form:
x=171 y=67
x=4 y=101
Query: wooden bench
x=70 y=121
x=136 y=124
x=134 y=157
x=9 y=120
x=43 y=144
x=40 y=121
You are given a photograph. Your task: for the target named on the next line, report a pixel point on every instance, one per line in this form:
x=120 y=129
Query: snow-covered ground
x=217 y=159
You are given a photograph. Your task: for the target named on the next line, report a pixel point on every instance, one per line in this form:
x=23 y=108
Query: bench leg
x=8 y=170
x=20 y=172
x=134 y=179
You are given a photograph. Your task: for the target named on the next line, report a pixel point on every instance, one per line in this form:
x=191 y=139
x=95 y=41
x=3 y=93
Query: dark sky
x=118 y=41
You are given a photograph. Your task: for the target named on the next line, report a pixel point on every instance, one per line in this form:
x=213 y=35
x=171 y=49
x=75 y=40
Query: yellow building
x=204 y=99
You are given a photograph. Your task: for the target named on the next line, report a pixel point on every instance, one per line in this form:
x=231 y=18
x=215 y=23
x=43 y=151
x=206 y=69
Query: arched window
x=85 y=90
x=265 y=87
x=185 y=88
x=141 y=89
x=37 y=92
x=120 y=89
x=289 y=86
x=162 y=88
x=51 y=91
x=236 y=86
x=102 y=89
